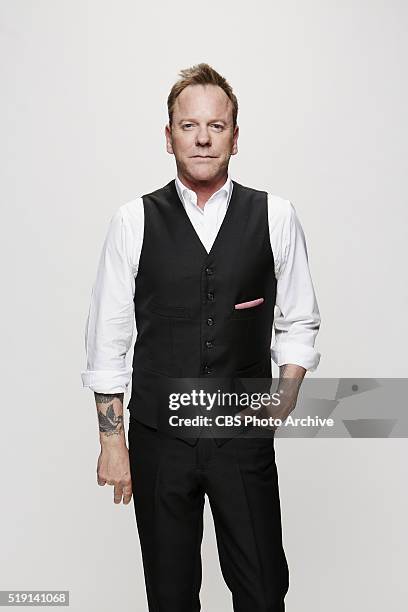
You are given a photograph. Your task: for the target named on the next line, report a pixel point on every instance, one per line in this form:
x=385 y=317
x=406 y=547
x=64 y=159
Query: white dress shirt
x=111 y=322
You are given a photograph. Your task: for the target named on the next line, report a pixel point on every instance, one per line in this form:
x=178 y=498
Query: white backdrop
x=322 y=91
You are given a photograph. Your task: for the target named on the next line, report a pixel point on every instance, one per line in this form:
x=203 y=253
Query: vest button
x=210 y=296
x=209 y=343
x=208 y=271
x=210 y=321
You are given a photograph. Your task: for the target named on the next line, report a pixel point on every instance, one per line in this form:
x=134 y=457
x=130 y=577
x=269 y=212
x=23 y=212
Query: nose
x=203 y=137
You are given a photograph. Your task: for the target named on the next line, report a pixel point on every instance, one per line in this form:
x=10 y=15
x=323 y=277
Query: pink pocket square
x=250 y=304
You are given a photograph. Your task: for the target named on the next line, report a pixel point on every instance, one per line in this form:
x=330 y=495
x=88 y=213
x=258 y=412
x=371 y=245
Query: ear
x=167 y=131
x=234 y=150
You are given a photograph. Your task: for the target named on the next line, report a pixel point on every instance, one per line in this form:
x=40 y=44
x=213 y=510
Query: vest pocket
x=164 y=310
x=247 y=313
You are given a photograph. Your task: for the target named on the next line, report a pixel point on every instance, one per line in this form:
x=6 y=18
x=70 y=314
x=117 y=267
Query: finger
x=100 y=481
x=127 y=495
x=117 y=494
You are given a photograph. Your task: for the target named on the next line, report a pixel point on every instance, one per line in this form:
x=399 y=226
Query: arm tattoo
x=283 y=369
x=109 y=423
x=106 y=398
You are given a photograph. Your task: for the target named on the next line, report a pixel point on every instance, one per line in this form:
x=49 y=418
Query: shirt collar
x=185 y=192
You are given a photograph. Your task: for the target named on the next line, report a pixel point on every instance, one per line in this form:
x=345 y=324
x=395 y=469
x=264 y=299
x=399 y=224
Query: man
x=200 y=264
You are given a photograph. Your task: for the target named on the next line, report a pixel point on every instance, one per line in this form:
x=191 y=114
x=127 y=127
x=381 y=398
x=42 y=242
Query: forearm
x=290 y=379
x=292 y=371
x=110 y=418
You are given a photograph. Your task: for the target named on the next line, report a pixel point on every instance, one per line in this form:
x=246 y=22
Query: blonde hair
x=201 y=74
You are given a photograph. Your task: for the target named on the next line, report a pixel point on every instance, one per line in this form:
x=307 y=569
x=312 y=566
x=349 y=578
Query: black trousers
x=170 y=479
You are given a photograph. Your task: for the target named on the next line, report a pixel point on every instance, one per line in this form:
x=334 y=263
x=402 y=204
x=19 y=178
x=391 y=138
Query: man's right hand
x=114 y=469
x=113 y=462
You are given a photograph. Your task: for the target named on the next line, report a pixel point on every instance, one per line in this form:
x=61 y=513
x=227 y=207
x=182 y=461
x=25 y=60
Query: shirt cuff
x=298 y=354
x=106 y=381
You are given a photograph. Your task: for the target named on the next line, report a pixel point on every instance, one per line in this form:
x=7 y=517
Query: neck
x=203 y=189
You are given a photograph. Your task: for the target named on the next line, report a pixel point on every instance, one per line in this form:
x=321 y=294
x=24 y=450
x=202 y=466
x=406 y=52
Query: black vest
x=186 y=323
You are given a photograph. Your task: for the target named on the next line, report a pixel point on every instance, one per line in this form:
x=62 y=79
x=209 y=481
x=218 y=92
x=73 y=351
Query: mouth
x=203 y=156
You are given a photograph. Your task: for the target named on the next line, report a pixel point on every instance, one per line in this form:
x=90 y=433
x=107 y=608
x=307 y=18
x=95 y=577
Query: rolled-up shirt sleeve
x=297 y=317
x=110 y=323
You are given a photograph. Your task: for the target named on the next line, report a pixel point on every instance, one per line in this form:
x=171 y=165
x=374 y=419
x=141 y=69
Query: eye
x=186 y=125
x=218 y=126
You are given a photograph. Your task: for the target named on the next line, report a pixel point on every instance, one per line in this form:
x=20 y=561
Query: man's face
x=202 y=137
